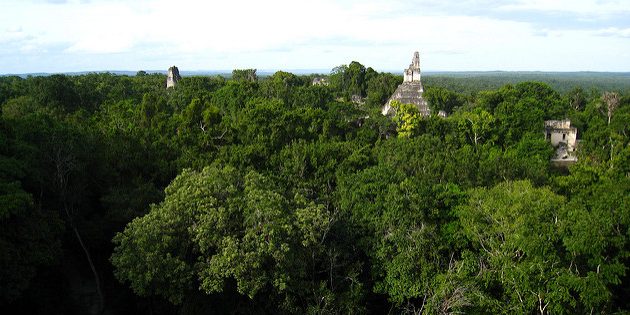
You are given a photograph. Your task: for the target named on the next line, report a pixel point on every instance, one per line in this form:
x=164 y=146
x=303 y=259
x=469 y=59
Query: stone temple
x=410 y=91
x=172 y=77
x=563 y=137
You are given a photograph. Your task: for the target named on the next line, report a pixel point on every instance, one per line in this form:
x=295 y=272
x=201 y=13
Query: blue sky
x=464 y=35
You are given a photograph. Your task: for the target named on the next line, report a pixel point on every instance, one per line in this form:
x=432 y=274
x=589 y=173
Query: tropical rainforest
x=274 y=195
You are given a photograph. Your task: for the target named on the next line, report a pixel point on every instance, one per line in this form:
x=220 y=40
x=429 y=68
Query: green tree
x=407 y=118
x=476 y=126
x=520 y=233
x=29 y=237
x=350 y=80
x=380 y=87
x=280 y=85
x=442 y=99
x=57 y=91
x=596 y=234
x=217 y=226
x=356 y=76
x=248 y=75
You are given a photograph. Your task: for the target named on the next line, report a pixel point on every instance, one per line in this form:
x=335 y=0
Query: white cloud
x=614 y=31
x=582 y=7
x=13 y=34
x=306 y=34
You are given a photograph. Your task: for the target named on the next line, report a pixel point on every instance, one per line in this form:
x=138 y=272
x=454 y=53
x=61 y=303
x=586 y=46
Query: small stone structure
x=172 y=77
x=563 y=137
x=357 y=99
x=410 y=91
x=320 y=81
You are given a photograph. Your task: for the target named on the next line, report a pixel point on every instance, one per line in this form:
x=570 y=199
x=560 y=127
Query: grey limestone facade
x=410 y=91
x=172 y=77
x=563 y=137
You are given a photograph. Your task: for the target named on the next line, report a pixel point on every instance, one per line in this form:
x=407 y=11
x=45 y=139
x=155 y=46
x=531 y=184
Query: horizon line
x=299 y=71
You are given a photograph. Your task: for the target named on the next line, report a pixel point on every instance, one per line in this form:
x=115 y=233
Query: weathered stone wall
x=558 y=124
x=412 y=74
x=410 y=91
x=320 y=81
x=557 y=131
x=567 y=136
x=563 y=137
x=172 y=77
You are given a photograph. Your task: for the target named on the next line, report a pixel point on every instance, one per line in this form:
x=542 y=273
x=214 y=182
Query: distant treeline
x=459 y=81
x=563 y=82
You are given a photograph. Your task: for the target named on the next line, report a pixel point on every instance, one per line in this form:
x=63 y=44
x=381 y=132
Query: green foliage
x=28 y=237
x=563 y=82
x=476 y=126
x=351 y=80
x=217 y=225
x=56 y=91
x=256 y=196
x=280 y=85
x=596 y=231
x=380 y=87
x=516 y=228
x=407 y=118
x=442 y=99
x=244 y=75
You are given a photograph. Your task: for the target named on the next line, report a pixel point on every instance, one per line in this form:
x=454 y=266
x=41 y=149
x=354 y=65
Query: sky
x=451 y=35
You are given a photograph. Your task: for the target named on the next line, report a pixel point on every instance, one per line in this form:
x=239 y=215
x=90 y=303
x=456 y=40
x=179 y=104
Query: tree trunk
x=101 y=300
x=96 y=277
x=611 y=150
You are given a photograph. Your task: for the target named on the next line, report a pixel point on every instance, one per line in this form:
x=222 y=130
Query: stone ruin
x=410 y=91
x=357 y=99
x=172 y=77
x=320 y=81
x=563 y=137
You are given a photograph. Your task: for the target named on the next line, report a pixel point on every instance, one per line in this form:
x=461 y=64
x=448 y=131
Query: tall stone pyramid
x=172 y=77
x=410 y=91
